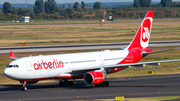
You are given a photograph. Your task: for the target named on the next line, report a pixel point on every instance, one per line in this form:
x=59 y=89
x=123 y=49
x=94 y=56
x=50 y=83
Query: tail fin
x=141 y=39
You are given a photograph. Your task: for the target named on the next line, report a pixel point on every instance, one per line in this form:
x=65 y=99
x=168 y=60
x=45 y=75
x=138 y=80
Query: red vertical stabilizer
x=141 y=39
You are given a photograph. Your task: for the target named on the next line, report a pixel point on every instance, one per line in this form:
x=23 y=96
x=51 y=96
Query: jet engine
x=93 y=78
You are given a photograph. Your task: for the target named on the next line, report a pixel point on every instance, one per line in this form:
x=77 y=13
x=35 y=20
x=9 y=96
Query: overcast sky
x=72 y=1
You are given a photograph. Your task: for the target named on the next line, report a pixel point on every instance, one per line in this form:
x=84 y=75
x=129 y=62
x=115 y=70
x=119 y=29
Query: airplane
x=92 y=67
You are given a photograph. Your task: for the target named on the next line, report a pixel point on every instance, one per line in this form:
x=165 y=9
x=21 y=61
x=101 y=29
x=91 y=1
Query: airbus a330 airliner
x=91 y=66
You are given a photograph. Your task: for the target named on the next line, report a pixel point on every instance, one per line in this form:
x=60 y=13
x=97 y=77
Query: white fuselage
x=51 y=66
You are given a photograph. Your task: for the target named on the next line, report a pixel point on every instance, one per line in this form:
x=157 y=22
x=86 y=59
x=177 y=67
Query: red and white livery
x=91 y=66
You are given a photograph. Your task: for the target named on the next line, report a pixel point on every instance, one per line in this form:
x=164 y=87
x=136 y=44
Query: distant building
x=109 y=17
x=24 y=19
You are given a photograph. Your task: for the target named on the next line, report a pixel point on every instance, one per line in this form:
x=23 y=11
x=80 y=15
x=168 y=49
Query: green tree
x=175 y=4
x=15 y=10
x=63 y=6
x=22 y=11
x=69 y=5
x=76 y=4
x=46 y=7
x=83 y=5
x=136 y=3
x=69 y=10
x=7 y=8
x=39 y=6
x=145 y=3
x=166 y=3
x=97 y=5
x=50 y=7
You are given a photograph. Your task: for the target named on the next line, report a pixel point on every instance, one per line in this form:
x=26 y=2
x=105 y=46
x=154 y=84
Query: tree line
x=49 y=7
x=163 y=3
x=50 y=10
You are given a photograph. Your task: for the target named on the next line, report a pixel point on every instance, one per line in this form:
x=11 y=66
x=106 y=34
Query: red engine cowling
x=93 y=78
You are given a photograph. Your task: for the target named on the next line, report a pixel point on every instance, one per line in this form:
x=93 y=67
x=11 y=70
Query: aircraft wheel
x=106 y=83
x=96 y=85
x=24 y=88
x=102 y=84
x=70 y=83
x=66 y=83
x=61 y=83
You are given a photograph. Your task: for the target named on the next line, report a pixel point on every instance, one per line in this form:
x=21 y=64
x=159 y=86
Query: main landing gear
x=65 y=83
x=103 y=84
x=23 y=88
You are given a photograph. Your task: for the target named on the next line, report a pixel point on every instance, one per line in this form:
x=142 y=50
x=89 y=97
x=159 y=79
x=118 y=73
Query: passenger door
x=28 y=65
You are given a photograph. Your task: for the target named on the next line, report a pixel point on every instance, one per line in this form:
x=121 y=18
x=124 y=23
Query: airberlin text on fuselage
x=48 y=65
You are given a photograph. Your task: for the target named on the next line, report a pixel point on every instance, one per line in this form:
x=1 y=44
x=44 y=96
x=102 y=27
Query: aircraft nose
x=7 y=72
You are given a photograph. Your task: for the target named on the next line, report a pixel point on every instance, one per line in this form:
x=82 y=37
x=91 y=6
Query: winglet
x=11 y=56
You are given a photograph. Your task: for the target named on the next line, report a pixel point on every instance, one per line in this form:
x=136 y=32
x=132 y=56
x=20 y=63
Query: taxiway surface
x=82 y=46
x=147 y=86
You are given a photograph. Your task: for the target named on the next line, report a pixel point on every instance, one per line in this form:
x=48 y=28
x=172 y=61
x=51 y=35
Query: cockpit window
x=10 y=66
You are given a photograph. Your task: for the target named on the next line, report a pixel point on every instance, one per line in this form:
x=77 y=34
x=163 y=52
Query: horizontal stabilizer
x=144 y=53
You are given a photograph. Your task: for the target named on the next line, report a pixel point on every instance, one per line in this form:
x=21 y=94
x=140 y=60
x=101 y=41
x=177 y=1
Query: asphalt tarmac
x=147 y=86
x=82 y=46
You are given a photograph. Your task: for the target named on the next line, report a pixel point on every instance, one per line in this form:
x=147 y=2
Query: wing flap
x=157 y=64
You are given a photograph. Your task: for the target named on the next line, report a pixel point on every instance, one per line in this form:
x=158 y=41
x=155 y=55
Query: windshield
x=10 y=66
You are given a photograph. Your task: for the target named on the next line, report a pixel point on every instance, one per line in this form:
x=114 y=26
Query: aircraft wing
x=139 y=64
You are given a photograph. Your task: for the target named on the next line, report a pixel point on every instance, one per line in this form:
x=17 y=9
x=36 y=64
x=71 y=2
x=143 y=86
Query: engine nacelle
x=93 y=78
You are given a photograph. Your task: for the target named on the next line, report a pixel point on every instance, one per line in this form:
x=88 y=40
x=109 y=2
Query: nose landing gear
x=23 y=88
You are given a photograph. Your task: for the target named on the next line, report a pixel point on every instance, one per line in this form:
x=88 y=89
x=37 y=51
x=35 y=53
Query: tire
x=102 y=84
x=23 y=88
x=70 y=83
x=96 y=85
x=106 y=83
x=61 y=83
x=66 y=83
